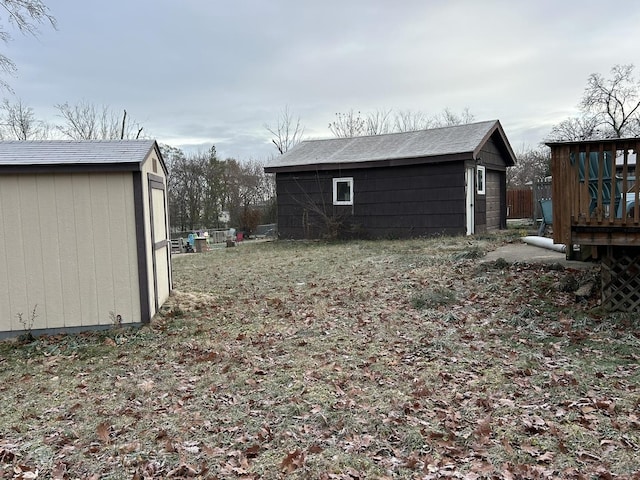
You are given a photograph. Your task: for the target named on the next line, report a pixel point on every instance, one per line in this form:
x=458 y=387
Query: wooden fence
x=520 y=203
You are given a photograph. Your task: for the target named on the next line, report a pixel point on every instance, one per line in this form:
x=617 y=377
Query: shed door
x=494 y=210
x=160 y=242
x=470 y=184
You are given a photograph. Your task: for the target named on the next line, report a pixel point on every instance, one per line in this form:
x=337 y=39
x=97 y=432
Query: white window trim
x=481 y=191
x=348 y=180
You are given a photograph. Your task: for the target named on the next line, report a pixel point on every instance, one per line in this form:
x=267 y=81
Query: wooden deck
x=595 y=193
x=596 y=206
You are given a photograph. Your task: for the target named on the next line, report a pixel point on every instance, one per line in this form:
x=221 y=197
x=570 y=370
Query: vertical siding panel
x=5 y=312
x=68 y=247
x=493 y=192
x=85 y=252
x=14 y=297
x=146 y=169
x=132 y=249
x=119 y=229
x=50 y=248
x=102 y=247
x=32 y=251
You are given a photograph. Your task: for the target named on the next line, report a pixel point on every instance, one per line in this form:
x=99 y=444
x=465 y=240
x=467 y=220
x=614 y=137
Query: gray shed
x=83 y=234
x=449 y=180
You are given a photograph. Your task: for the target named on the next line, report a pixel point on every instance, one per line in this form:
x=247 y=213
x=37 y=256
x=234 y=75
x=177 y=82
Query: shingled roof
x=100 y=154
x=460 y=141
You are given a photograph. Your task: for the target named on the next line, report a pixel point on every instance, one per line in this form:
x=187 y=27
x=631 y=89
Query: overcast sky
x=197 y=73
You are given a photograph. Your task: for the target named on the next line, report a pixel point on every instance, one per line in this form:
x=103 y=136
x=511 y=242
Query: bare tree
x=533 y=164
x=411 y=121
x=188 y=187
x=353 y=124
x=201 y=186
x=378 y=122
x=347 y=125
x=614 y=101
x=288 y=131
x=26 y=16
x=247 y=188
x=610 y=108
x=173 y=157
x=448 y=118
x=576 y=128
x=18 y=122
x=127 y=129
x=85 y=121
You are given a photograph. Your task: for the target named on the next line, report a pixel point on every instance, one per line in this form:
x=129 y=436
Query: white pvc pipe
x=545 y=242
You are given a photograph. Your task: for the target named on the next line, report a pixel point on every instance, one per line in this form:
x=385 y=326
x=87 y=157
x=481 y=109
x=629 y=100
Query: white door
x=470 y=175
x=160 y=241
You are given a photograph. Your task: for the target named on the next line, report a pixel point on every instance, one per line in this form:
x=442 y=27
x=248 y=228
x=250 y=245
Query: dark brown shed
x=448 y=180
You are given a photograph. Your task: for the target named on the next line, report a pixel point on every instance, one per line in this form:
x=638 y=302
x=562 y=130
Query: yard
x=385 y=359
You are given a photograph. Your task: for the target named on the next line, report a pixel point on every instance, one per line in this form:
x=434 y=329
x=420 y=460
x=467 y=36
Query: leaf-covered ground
x=390 y=359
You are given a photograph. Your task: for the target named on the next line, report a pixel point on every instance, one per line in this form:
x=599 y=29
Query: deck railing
x=595 y=192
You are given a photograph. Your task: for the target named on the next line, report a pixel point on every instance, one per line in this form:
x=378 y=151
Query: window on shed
x=480 y=180
x=343 y=191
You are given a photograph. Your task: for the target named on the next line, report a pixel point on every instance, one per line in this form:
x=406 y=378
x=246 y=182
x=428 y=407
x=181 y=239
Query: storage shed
x=449 y=180
x=83 y=235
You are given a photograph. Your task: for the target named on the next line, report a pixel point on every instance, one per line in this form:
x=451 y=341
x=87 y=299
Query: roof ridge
x=402 y=133
x=449 y=141
x=66 y=152
x=60 y=140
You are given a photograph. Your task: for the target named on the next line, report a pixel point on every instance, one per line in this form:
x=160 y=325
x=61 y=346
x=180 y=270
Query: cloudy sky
x=196 y=73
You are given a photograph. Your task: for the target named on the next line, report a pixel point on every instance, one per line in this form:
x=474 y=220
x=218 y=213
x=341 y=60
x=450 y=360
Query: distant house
x=83 y=235
x=448 y=180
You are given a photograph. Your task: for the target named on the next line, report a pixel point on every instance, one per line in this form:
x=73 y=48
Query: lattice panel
x=621 y=279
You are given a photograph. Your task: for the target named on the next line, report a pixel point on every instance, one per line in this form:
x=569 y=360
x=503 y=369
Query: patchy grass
x=390 y=359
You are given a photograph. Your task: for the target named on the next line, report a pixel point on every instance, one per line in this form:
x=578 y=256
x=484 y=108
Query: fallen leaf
x=24 y=472
x=252 y=451
x=507 y=446
x=183 y=471
x=146 y=385
x=208 y=357
x=6 y=456
x=103 y=431
x=315 y=448
x=484 y=427
x=587 y=456
x=546 y=457
x=59 y=472
x=530 y=449
x=129 y=447
x=292 y=461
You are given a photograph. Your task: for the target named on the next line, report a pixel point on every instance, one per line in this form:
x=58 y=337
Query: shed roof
x=455 y=141
x=99 y=154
